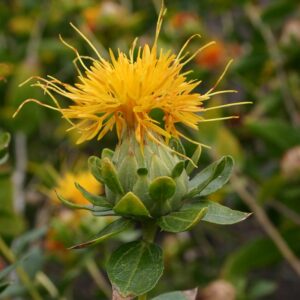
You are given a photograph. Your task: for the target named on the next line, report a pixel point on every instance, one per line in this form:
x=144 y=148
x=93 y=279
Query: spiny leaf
x=211 y=178
x=182 y=220
x=195 y=158
x=95 y=210
x=109 y=231
x=217 y=213
x=94 y=199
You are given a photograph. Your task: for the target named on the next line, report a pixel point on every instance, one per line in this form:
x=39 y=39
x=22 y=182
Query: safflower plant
x=147 y=177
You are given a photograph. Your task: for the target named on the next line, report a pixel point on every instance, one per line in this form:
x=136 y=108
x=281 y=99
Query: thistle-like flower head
x=123 y=91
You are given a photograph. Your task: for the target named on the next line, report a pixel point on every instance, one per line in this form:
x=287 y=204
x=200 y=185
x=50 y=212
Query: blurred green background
x=256 y=259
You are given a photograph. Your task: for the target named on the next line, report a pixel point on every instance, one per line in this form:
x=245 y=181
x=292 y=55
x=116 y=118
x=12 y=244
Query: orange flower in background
x=212 y=56
x=104 y=12
x=52 y=244
x=183 y=18
x=216 y=55
x=91 y=14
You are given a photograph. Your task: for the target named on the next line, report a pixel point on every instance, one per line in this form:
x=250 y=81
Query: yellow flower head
x=66 y=188
x=123 y=91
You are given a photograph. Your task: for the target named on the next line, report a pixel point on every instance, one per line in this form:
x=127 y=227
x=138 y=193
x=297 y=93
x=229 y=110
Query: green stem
x=149 y=229
x=9 y=256
x=46 y=282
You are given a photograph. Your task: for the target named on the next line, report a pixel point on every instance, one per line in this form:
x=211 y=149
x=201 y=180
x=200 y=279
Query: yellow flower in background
x=57 y=240
x=66 y=188
x=123 y=91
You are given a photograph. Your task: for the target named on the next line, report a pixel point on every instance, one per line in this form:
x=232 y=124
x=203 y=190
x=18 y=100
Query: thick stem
x=149 y=229
x=142 y=297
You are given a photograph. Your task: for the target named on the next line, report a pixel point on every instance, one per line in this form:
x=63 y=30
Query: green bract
x=150 y=185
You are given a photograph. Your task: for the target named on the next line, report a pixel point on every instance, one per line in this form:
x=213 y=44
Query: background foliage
x=263 y=39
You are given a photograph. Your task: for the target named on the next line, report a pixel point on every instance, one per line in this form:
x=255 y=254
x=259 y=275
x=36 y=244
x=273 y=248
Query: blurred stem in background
x=20 y=171
x=268 y=227
x=285 y=210
x=98 y=277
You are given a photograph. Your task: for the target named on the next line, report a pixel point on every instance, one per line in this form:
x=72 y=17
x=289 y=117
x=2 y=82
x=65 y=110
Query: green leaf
x=182 y=220
x=110 y=176
x=135 y=268
x=10 y=268
x=7 y=270
x=3 y=286
x=94 y=199
x=195 y=158
x=178 y=295
x=23 y=241
x=261 y=289
x=131 y=205
x=273 y=131
x=212 y=178
x=178 y=169
x=276 y=11
x=162 y=188
x=246 y=259
x=110 y=230
x=217 y=213
x=73 y=205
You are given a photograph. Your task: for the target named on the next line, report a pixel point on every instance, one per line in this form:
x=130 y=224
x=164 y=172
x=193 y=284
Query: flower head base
x=124 y=91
